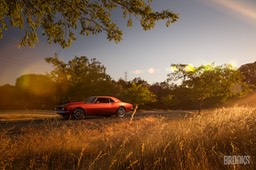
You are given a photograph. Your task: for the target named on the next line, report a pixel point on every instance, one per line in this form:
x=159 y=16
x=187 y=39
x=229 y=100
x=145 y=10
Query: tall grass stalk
x=150 y=142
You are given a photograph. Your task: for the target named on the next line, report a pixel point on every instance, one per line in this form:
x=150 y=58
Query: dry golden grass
x=149 y=142
x=26 y=115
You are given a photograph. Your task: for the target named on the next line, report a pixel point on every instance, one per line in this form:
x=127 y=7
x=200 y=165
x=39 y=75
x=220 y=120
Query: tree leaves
x=60 y=19
x=209 y=81
x=139 y=94
x=3 y=12
x=80 y=78
x=249 y=73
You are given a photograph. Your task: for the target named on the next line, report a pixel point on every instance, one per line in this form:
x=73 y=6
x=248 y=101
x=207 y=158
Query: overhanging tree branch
x=59 y=19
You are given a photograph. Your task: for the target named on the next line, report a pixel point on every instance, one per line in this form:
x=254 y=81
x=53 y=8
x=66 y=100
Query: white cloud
x=151 y=70
x=137 y=71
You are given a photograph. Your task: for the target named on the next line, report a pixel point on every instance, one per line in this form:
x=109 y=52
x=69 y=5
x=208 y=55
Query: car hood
x=74 y=103
x=71 y=103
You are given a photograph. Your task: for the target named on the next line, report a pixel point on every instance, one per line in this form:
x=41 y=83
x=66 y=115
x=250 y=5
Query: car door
x=103 y=106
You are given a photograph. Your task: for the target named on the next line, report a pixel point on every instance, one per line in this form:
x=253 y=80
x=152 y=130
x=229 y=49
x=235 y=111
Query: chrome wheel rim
x=121 y=112
x=78 y=114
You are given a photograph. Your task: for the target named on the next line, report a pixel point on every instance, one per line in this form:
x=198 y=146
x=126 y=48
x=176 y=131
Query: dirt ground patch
x=22 y=115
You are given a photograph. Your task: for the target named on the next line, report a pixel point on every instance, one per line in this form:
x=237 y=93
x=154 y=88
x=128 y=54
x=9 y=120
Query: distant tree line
x=186 y=87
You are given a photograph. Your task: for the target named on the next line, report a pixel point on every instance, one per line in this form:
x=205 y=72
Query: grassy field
x=20 y=115
x=148 y=142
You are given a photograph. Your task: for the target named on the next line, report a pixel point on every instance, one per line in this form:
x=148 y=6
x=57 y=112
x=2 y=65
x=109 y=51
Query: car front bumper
x=61 y=112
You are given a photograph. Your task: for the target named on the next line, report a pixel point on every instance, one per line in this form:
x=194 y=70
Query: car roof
x=113 y=98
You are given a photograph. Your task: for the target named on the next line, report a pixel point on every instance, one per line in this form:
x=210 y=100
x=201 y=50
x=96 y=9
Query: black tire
x=79 y=114
x=121 y=112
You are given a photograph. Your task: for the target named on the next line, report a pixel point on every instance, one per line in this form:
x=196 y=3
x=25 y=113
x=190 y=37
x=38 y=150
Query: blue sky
x=207 y=31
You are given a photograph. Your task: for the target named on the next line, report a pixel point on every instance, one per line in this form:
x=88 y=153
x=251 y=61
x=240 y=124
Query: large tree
x=209 y=82
x=36 y=84
x=139 y=94
x=163 y=94
x=35 y=91
x=58 y=19
x=80 y=78
x=31 y=91
x=249 y=73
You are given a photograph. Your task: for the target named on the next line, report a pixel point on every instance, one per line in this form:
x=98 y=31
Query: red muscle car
x=94 y=105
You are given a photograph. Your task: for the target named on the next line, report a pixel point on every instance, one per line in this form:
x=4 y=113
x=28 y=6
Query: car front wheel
x=79 y=114
x=121 y=112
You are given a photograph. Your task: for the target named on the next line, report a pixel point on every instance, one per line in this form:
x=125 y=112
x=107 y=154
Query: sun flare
x=240 y=8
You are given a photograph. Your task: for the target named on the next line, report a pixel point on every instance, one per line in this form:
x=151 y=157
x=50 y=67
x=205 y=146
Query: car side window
x=102 y=100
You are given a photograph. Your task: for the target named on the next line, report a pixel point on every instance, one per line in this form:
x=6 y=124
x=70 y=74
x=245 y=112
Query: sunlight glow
x=242 y=9
x=233 y=63
x=190 y=68
x=209 y=67
x=137 y=72
x=173 y=68
x=151 y=70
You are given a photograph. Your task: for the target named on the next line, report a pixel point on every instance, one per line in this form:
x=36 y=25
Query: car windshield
x=91 y=99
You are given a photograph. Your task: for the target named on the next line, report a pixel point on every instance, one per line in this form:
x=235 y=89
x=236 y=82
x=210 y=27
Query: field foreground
x=148 y=142
x=17 y=115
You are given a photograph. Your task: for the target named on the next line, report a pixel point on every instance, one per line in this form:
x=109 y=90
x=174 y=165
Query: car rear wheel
x=120 y=112
x=79 y=114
